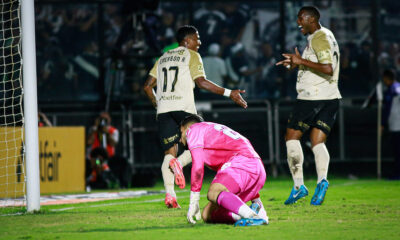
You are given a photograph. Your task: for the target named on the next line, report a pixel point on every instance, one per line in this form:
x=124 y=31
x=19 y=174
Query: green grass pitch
x=353 y=209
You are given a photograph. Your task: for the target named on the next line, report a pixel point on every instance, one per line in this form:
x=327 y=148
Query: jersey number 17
x=165 y=71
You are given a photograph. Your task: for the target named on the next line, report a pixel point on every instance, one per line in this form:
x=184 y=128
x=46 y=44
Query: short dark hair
x=184 y=31
x=312 y=11
x=191 y=119
x=389 y=73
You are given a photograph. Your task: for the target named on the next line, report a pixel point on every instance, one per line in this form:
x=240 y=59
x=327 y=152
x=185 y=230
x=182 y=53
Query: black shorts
x=319 y=114
x=169 y=131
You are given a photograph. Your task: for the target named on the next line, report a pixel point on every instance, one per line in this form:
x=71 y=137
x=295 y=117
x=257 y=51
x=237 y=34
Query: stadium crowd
x=70 y=59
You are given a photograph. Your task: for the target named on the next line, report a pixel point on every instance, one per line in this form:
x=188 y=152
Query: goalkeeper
x=240 y=174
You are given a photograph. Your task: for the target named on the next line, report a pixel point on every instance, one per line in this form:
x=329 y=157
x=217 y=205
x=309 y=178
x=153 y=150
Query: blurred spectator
x=57 y=77
x=391 y=116
x=79 y=21
x=364 y=69
x=113 y=25
x=214 y=66
x=87 y=71
x=140 y=28
x=55 y=24
x=209 y=21
x=349 y=82
x=167 y=31
x=239 y=69
x=102 y=134
x=237 y=16
x=269 y=81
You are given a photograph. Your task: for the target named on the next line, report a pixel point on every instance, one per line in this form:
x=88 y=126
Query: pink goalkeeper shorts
x=242 y=176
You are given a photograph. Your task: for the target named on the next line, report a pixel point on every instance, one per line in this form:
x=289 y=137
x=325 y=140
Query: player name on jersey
x=170 y=59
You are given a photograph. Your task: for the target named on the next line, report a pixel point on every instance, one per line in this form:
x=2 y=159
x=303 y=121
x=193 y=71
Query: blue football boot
x=320 y=191
x=297 y=194
x=244 y=222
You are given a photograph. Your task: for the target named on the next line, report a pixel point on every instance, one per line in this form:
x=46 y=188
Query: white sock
x=321 y=155
x=298 y=182
x=185 y=158
x=295 y=160
x=246 y=212
x=168 y=175
x=236 y=217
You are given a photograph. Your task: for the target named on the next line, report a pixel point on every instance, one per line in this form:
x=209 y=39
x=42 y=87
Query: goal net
x=12 y=172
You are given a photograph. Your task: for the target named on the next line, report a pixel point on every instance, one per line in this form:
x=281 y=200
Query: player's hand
x=291 y=60
x=193 y=213
x=237 y=98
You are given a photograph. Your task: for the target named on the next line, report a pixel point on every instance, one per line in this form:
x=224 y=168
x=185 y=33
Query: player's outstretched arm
x=203 y=83
x=148 y=86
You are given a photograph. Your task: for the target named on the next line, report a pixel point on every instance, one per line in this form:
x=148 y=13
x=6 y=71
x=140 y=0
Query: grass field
x=353 y=209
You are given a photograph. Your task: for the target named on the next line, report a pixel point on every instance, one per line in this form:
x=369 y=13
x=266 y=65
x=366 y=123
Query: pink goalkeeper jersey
x=213 y=144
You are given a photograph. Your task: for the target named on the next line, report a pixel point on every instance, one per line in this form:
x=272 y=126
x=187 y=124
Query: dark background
x=95 y=55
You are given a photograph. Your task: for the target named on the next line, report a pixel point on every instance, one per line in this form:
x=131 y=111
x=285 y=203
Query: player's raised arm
x=235 y=95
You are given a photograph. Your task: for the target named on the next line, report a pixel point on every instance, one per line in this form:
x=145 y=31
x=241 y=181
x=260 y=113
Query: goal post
x=30 y=105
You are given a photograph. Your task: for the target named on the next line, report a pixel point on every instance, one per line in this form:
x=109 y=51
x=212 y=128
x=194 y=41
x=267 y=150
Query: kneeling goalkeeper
x=240 y=174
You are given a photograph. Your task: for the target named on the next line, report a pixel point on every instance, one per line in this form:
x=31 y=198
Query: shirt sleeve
x=153 y=71
x=196 y=65
x=322 y=48
x=197 y=169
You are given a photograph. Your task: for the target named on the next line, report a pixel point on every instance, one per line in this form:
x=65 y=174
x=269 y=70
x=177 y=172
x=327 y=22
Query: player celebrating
x=317 y=102
x=175 y=74
x=240 y=174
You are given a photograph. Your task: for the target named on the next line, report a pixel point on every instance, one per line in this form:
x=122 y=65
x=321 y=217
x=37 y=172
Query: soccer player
x=175 y=74
x=240 y=174
x=317 y=102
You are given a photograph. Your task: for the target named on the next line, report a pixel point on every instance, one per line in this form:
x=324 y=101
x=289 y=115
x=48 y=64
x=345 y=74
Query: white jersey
x=175 y=72
x=312 y=85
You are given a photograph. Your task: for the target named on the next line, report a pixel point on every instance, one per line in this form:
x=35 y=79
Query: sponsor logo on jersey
x=173 y=97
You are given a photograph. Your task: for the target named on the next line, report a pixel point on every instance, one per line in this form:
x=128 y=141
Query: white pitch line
x=112 y=204
x=107 y=204
x=12 y=214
